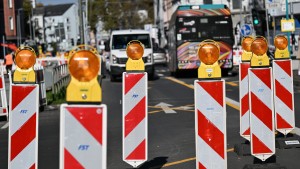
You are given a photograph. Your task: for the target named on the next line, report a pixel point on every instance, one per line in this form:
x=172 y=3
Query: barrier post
x=83 y=120
x=244 y=148
x=3 y=108
x=284 y=94
x=261 y=102
x=210 y=109
x=24 y=112
x=135 y=101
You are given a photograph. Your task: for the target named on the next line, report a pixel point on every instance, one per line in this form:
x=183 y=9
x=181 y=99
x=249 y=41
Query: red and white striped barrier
x=210 y=124
x=261 y=113
x=135 y=118
x=284 y=96
x=23 y=126
x=83 y=131
x=244 y=100
x=3 y=108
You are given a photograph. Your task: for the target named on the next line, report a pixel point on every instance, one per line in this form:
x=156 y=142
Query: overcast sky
x=49 y=2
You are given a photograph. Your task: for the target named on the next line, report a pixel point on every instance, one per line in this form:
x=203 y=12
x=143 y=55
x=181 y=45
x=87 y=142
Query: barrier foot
x=287 y=141
x=243 y=149
x=270 y=163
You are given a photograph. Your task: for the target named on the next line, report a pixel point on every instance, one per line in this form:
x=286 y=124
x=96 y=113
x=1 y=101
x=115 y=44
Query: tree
x=120 y=14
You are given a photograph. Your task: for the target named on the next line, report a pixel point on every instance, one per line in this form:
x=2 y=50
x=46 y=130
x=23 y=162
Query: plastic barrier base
x=287 y=142
x=243 y=149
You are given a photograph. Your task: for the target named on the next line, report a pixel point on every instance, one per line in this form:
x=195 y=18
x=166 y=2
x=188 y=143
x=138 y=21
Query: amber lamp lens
x=209 y=54
x=259 y=46
x=25 y=59
x=280 y=42
x=246 y=44
x=135 y=51
x=84 y=66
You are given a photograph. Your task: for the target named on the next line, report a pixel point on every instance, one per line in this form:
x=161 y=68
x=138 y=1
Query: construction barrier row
x=83 y=127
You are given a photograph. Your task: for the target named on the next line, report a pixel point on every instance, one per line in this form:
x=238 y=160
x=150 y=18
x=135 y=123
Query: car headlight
x=149 y=58
x=114 y=59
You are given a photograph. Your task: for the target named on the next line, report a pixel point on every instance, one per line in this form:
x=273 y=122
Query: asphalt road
x=171 y=133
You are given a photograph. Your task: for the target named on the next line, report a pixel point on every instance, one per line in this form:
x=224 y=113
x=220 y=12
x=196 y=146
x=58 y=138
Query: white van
x=118 y=58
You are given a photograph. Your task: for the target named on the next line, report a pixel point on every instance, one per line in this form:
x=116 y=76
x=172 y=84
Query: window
x=207 y=2
x=10 y=3
x=11 y=23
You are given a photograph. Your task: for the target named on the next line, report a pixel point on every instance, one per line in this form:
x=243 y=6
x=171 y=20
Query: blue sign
x=246 y=30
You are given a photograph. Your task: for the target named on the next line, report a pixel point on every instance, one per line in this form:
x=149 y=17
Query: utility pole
x=81 y=26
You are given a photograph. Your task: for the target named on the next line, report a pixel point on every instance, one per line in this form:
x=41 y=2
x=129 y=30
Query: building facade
x=57 y=26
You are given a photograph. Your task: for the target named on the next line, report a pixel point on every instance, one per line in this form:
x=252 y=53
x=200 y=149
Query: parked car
x=159 y=56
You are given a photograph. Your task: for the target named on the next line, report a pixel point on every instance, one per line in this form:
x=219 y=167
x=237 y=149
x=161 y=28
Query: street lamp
x=19 y=32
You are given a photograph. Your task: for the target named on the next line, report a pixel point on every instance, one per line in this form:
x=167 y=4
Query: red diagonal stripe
x=135 y=116
x=139 y=153
x=131 y=79
x=244 y=70
x=1 y=83
x=285 y=66
x=200 y=166
x=90 y=118
x=284 y=95
x=32 y=167
x=214 y=89
x=22 y=137
x=282 y=123
x=259 y=146
x=211 y=134
x=245 y=104
x=247 y=132
x=19 y=93
x=261 y=111
x=264 y=75
x=70 y=162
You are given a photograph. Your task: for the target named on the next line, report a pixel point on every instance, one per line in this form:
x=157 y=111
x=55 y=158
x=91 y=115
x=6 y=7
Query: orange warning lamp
x=281 y=44
x=135 y=52
x=84 y=65
x=208 y=53
x=246 y=45
x=259 y=49
x=25 y=59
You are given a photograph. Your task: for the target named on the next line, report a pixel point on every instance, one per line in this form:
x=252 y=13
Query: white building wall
x=70 y=26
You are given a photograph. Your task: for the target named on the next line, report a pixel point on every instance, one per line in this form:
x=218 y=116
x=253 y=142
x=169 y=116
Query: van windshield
x=120 y=41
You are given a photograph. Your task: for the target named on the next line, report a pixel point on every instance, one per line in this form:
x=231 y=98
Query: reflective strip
x=134 y=138
x=209 y=107
x=285 y=112
x=27 y=108
x=283 y=78
x=134 y=95
x=263 y=92
x=263 y=133
x=26 y=158
x=209 y=158
x=245 y=121
x=76 y=140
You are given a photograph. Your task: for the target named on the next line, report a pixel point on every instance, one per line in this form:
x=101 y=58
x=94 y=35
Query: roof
x=129 y=31
x=56 y=10
x=39 y=11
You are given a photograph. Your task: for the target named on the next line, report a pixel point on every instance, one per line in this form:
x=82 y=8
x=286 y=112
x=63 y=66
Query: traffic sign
x=246 y=30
